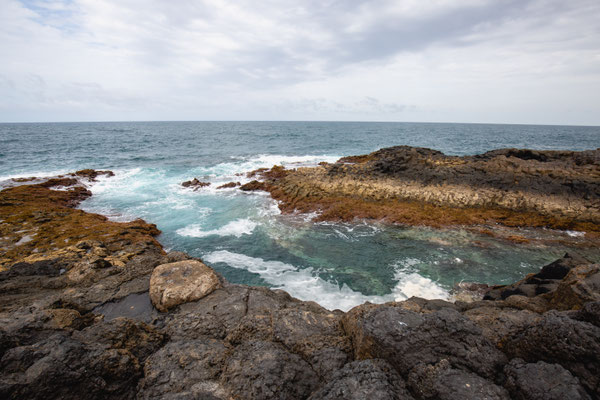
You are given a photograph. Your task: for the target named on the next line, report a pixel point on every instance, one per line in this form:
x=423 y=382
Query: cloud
x=440 y=60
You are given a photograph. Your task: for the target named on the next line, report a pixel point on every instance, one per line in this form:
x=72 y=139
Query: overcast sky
x=504 y=61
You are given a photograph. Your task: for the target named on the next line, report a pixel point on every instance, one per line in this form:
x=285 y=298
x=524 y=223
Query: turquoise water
x=243 y=235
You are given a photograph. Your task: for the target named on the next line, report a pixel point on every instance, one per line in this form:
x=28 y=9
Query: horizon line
x=305 y=121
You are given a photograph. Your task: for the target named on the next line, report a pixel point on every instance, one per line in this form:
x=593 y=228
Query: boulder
x=559 y=339
x=260 y=370
x=181 y=282
x=547 y=282
x=189 y=368
x=542 y=381
x=441 y=382
x=406 y=339
x=580 y=286
x=368 y=379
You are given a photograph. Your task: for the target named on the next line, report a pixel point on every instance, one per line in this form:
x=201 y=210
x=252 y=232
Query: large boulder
x=441 y=382
x=260 y=370
x=406 y=339
x=559 y=339
x=580 y=286
x=181 y=282
x=368 y=379
x=542 y=381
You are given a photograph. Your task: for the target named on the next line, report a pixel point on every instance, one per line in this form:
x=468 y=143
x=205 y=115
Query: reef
x=419 y=186
x=91 y=308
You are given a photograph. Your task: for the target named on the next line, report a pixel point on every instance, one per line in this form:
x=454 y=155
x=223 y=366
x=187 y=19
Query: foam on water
x=305 y=284
x=411 y=283
x=235 y=228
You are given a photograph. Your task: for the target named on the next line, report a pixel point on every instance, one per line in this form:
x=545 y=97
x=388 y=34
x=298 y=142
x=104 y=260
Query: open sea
x=244 y=236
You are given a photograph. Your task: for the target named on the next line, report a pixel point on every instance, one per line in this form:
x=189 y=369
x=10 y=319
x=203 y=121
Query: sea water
x=246 y=238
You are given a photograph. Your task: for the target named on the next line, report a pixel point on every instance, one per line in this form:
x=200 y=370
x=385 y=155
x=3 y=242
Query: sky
x=489 y=61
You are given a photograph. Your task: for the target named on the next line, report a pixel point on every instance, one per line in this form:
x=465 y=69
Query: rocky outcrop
x=513 y=187
x=195 y=184
x=77 y=320
x=229 y=185
x=181 y=282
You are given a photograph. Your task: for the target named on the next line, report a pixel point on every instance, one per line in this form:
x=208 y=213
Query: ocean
x=245 y=237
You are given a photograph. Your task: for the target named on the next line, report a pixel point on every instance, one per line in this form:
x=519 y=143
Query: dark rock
x=560 y=268
x=213 y=316
x=442 y=382
x=265 y=370
x=253 y=185
x=195 y=184
x=189 y=368
x=498 y=323
x=553 y=283
x=229 y=185
x=542 y=381
x=556 y=338
x=406 y=338
x=91 y=174
x=590 y=313
x=580 y=286
x=63 y=368
x=368 y=379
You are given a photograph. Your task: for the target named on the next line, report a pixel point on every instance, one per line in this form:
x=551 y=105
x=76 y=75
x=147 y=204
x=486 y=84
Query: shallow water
x=243 y=235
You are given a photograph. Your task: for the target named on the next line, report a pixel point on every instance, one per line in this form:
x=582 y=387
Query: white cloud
x=528 y=61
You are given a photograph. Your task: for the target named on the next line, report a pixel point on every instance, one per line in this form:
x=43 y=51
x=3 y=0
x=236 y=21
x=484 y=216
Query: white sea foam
x=575 y=233
x=306 y=285
x=235 y=228
x=410 y=283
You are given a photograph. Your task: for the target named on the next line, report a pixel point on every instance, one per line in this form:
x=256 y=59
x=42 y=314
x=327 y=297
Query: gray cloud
x=329 y=59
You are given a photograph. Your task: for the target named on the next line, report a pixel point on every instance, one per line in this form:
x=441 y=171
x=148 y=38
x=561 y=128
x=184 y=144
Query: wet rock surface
x=76 y=321
x=195 y=184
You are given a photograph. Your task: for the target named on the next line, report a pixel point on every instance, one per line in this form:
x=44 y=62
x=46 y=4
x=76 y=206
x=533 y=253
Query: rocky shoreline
x=419 y=186
x=80 y=297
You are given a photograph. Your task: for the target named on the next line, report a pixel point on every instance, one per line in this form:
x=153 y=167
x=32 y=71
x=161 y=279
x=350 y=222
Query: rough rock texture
x=542 y=381
x=442 y=382
x=369 y=379
x=181 y=282
x=406 y=338
x=76 y=321
x=558 y=189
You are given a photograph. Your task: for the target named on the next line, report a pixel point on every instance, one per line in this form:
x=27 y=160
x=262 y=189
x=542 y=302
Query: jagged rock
x=498 y=323
x=441 y=382
x=580 y=286
x=189 y=368
x=63 y=368
x=265 y=370
x=368 y=379
x=253 y=185
x=557 y=338
x=590 y=313
x=542 y=381
x=546 y=283
x=195 y=184
x=229 y=185
x=406 y=338
x=181 y=282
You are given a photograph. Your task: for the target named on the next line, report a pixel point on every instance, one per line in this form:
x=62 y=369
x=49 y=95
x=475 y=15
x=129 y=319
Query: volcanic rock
x=513 y=187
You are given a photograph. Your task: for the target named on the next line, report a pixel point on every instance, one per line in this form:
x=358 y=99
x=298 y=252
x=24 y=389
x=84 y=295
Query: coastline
x=418 y=186
x=81 y=293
